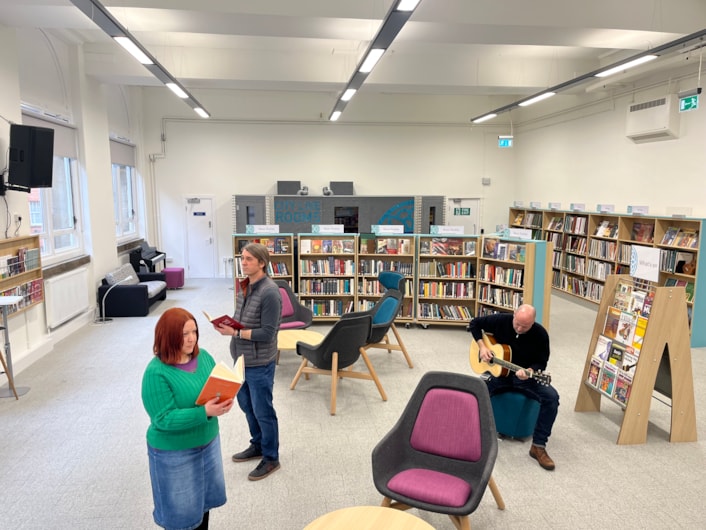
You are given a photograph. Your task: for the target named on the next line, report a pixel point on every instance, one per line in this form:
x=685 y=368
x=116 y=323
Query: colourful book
x=223 y=382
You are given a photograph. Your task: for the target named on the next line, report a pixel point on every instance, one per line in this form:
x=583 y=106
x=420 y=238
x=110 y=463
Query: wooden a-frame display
x=667 y=332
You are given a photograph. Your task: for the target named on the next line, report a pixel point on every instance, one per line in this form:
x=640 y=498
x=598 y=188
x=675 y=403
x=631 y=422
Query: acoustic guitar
x=500 y=365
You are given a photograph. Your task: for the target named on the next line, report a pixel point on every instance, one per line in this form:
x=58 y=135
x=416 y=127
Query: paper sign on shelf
x=555 y=206
x=520 y=233
x=644 y=263
x=638 y=210
x=578 y=207
x=518 y=204
x=605 y=208
x=262 y=229
x=387 y=229
x=535 y=204
x=447 y=230
x=327 y=229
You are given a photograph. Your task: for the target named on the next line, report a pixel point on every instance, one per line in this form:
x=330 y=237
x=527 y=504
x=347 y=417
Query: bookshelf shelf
x=591 y=246
x=21 y=272
x=446 y=279
x=327 y=279
x=378 y=253
x=280 y=247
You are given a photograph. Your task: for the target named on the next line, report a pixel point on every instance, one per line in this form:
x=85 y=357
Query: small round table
x=368 y=518
x=287 y=338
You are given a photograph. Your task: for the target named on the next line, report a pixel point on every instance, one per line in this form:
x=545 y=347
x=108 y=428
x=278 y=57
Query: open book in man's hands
x=223 y=382
x=223 y=319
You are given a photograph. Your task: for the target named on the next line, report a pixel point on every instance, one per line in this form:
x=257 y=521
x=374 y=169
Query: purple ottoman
x=174 y=276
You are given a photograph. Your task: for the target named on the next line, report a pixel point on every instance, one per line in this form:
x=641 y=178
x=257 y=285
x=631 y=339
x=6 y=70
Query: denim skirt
x=186 y=484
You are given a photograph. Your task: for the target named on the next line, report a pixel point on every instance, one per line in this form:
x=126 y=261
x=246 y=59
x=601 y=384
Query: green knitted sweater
x=169 y=395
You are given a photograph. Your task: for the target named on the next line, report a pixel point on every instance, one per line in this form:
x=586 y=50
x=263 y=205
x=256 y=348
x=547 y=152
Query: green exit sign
x=462 y=211
x=689 y=103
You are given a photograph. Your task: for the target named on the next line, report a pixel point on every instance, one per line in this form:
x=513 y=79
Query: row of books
x=635 y=301
x=556 y=223
x=31 y=292
x=26 y=259
x=599 y=269
x=625 y=327
x=277 y=269
x=500 y=250
x=685 y=238
x=374 y=267
x=373 y=287
x=602 y=249
x=443 y=312
x=329 y=266
x=607 y=228
x=447 y=269
x=574 y=244
x=275 y=245
x=500 y=275
x=676 y=261
x=575 y=224
x=500 y=297
x=328 y=286
x=447 y=246
x=431 y=289
x=575 y=264
x=393 y=246
x=327 y=308
x=405 y=310
x=326 y=246
x=528 y=219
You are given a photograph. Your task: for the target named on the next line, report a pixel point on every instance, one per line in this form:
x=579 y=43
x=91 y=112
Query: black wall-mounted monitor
x=31 y=157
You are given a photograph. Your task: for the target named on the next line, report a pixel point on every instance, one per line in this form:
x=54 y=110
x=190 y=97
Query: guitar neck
x=507 y=364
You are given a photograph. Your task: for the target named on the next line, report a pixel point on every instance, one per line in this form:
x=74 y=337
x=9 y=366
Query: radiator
x=66 y=296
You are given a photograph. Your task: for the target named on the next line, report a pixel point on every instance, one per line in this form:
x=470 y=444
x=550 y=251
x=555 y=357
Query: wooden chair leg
x=461 y=522
x=496 y=493
x=298 y=374
x=10 y=380
x=403 y=349
x=334 y=381
x=373 y=373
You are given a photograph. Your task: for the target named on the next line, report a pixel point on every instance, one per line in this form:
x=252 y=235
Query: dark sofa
x=133 y=297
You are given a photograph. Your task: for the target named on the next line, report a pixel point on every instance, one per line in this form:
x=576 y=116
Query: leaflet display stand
x=667 y=334
x=12 y=390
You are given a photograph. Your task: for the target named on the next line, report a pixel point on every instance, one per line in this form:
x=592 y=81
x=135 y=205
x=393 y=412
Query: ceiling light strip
x=100 y=16
x=396 y=18
x=619 y=66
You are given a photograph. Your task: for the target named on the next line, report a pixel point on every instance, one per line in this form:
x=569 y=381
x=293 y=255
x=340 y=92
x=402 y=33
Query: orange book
x=223 y=319
x=223 y=382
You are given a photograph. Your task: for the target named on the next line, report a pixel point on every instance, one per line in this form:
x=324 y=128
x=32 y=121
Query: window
x=124 y=201
x=54 y=213
x=125 y=207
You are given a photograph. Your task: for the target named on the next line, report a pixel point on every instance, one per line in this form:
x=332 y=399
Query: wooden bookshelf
x=585 y=259
x=21 y=271
x=513 y=272
x=280 y=247
x=327 y=277
x=446 y=279
x=378 y=253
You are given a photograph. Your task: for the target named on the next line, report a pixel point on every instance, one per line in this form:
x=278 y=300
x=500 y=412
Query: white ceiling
x=449 y=47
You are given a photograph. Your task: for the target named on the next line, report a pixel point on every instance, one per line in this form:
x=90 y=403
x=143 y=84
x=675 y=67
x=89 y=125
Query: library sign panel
x=298 y=212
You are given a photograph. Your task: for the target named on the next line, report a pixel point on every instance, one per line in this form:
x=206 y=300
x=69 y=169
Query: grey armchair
x=340 y=349
x=440 y=454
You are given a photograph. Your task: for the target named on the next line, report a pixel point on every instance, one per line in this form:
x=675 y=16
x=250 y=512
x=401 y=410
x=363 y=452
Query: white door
x=464 y=212
x=200 y=238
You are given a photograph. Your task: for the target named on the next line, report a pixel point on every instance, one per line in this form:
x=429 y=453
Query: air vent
x=653 y=120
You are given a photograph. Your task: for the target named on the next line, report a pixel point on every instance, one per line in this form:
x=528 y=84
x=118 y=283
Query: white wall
x=590 y=160
x=222 y=158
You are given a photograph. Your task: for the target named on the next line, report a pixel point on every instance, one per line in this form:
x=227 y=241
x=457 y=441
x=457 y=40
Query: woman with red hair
x=183 y=444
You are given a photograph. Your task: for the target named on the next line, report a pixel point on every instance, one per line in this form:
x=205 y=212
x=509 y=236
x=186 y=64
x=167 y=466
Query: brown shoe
x=541 y=456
